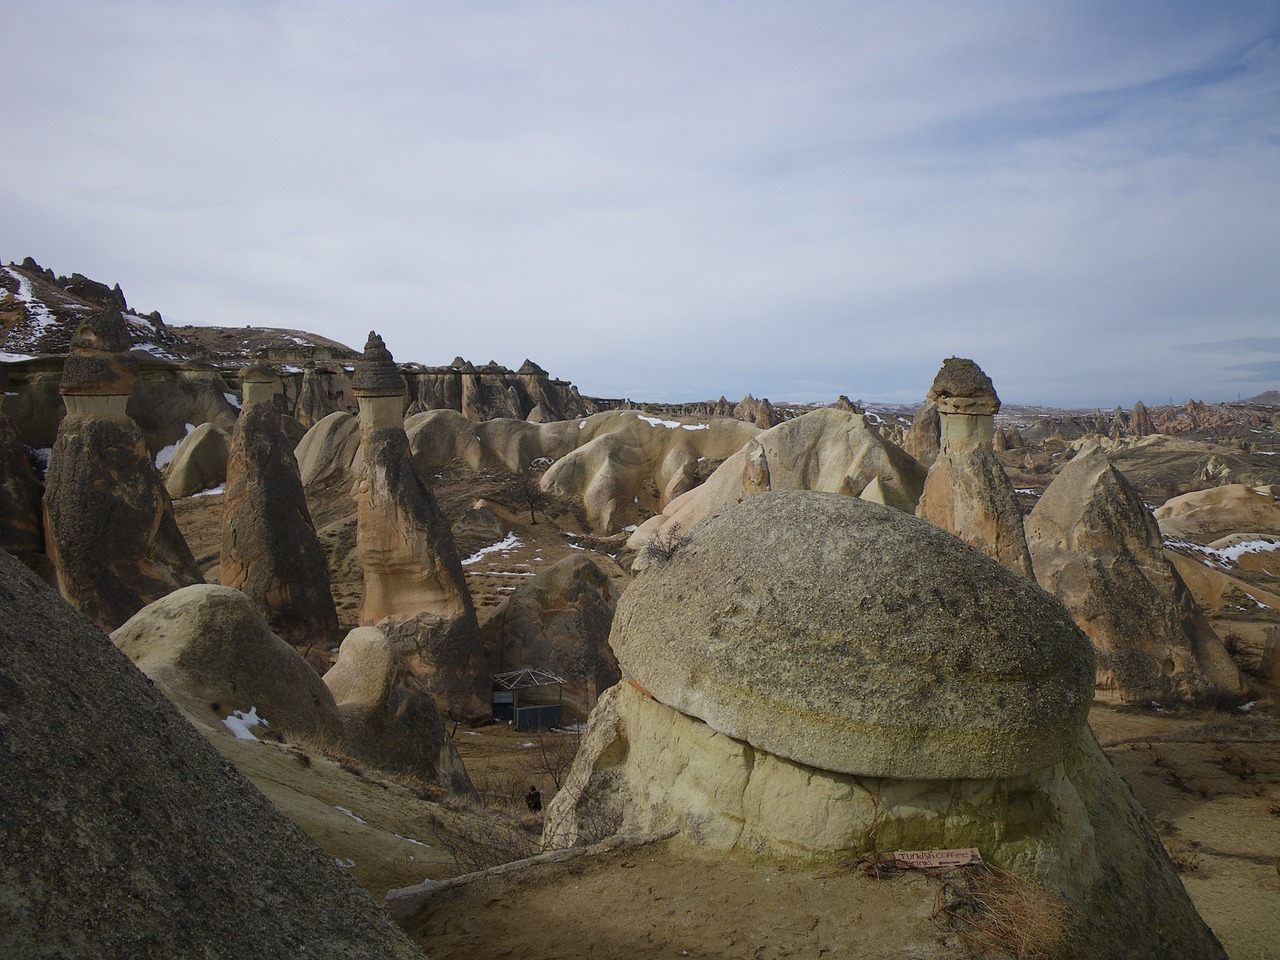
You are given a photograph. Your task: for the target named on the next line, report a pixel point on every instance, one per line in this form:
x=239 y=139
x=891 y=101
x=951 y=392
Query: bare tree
x=662 y=546
x=526 y=488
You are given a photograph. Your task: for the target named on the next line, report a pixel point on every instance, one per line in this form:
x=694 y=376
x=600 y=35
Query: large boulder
x=200 y=462
x=1097 y=548
x=390 y=721
x=211 y=653
x=124 y=834
x=559 y=620
x=815 y=678
x=830 y=450
x=327 y=452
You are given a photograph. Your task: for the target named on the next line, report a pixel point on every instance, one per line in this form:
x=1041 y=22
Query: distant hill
x=1269 y=399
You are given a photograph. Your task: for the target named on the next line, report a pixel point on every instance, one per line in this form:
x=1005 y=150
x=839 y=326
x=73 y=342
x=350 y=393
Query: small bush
x=664 y=544
x=997 y=912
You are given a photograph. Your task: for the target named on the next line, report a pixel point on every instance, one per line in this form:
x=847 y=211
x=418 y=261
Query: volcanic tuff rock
x=124 y=834
x=559 y=620
x=270 y=550
x=414 y=585
x=389 y=720
x=923 y=437
x=909 y=701
x=829 y=450
x=1097 y=548
x=806 y=684
x=200 y=462
x=21 y=525
x=210 y=652
x=327 y=452
x=109 y=527
x=1206 y=515
x=967 y=493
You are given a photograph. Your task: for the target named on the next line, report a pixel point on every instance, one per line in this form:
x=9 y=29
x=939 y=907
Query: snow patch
x=165 y=454
x=233 y=400
x=508 y=543
x=416 y=843
x=344 y=810
x=14 y=358
x=672 y=424
x=239 y=723
x=220 y=488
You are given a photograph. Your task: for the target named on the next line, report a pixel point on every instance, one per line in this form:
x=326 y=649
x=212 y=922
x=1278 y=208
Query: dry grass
x=1000 y=913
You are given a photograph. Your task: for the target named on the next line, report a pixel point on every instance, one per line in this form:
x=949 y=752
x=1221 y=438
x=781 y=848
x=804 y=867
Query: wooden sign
x=926 y=859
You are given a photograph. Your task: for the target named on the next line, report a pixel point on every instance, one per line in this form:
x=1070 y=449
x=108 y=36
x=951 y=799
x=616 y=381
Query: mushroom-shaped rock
x=854 y=638
x=211 y=653
x=259 y=384
x=962 y=387
x=98 y=363
x=390 y=721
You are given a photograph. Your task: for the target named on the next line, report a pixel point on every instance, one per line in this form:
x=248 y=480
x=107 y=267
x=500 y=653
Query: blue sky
x=673 y=201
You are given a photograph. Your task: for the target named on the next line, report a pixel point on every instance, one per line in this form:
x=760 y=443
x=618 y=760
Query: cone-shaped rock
x=270 y=550
x=109 y=527
x=314 y=402
x=405 y=545
x=124 y=833
x=1098 y=549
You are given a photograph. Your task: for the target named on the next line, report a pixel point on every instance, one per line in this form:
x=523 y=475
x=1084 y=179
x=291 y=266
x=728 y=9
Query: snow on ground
x=672 y=424
x=14 y=358
x=1227 y=556
x=36 y=310
x=220 y=488
x=508 y=543
x=165 y=454
x=233 y=400
x=348 y=813
x=240 y=723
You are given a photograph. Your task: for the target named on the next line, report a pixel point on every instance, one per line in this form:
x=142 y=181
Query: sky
x=672 y=201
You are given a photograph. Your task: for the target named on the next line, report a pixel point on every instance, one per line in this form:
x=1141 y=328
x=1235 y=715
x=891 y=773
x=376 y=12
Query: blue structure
x=525 y=698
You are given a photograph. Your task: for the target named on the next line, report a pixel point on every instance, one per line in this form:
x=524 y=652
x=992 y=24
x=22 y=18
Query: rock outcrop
x=1096 y=547
x=209 y=651
x=559 y=620
x=829 y=450
x=1207 y=515
x=315 y=402
x=814 y=678
x=270 y=550
x=21 y=524
x=200 y=462
x=125 y=834
x=109 y=527
x=967 y=493
x=389 y=720
x=405 y=545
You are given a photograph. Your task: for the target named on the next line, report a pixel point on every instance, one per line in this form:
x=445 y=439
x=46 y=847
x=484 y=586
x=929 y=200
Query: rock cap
x=376 y=373
x=962 y=387
x=99 y=363
x=854 y=638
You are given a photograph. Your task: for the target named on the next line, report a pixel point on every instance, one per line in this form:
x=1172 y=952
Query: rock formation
x=125 y=834
x=827 y=449
x=327 y=453
x=803 y=684
x=923 y=437
x=211 y=653
x=559 y=620
x=270 y=550
x=314 y=401
x=411 y=567
x=388 y=719
x=638 y=464
x=967 y=492
x=1206 y=515
x=109 y=527
x=21 y=525
x=1096 y=547
x=200 y=462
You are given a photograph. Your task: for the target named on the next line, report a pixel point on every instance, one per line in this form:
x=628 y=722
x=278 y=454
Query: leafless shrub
x=556 y=750
x=997 y=912
x=486 y=840
x=664 y=544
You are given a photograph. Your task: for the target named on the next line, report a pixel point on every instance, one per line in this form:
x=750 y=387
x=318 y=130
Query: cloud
x=673 y=200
